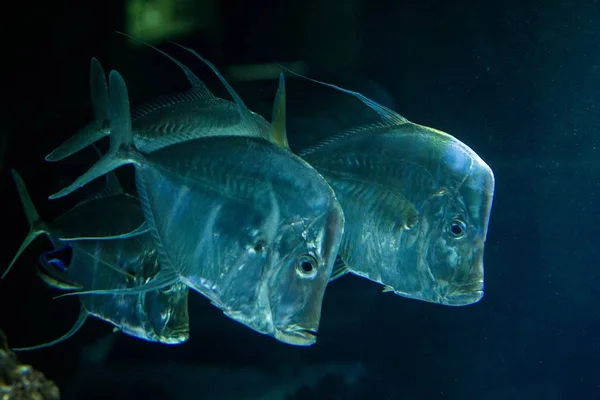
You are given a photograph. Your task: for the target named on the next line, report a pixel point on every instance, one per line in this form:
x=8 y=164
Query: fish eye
x=457 y=228
x=259 y=246
x=306 y=267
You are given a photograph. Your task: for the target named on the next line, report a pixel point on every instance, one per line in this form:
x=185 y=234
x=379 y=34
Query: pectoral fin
x=161 y=280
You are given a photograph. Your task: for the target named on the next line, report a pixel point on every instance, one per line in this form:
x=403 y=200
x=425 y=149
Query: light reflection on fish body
x=107 y=263
x=241 y=232
x=239 y=219
x=417 y=203
x=190 y=115
x=189 y=119
x=159 y=316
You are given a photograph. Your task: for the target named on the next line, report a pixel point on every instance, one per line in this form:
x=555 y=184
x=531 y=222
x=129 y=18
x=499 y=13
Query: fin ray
x=164 y=278
x=83 y=315
x=36 y=226
x=386 y=114
x=339 y=269
x=279 y=134
x=121 y=137
x=197 y=85
x=244 y=111
x=96 y=129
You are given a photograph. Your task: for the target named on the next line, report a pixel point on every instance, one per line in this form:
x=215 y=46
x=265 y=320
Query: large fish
x=182 y=116
x=241 y=220
x=159 y=316
x=417 y=202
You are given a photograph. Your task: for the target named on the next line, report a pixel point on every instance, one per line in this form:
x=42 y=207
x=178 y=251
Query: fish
x=110 y=214
x=159 y=316
x=156 y=316
x=417 y=203
x=186 y=116
x=241 y=220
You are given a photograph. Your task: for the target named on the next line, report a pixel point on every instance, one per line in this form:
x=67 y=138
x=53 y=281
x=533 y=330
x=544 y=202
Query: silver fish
x=185 y=116
x=417 y=203
x=159 y=316
x=241 y=220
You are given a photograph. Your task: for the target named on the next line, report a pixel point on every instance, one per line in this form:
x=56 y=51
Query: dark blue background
x=519 y=82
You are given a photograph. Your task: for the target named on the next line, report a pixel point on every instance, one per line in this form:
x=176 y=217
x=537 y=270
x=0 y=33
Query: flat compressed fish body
x=232 y=215
x=404 y=189
x=160 y=316
x=238 y=218
x=98 y=263
x=111 y=216
x=189 y=118
x=193 y=114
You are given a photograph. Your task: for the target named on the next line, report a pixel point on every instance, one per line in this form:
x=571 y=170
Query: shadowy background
x=518 y=82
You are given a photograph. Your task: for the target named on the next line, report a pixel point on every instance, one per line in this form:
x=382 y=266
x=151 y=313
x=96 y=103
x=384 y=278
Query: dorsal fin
x=279 y=134
x=197 y=85
x=96 y=129
x=98 y=90
x=244 y=111
x=387 y=115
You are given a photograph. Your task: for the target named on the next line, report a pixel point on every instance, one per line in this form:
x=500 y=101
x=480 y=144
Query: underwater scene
x=300 y=200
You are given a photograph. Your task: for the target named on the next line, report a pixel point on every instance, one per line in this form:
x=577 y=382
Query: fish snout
x=462 y=295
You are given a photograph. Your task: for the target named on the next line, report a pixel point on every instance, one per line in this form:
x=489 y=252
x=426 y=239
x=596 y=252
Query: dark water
x=519 y=82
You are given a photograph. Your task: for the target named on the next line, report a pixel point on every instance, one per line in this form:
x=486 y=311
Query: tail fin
x=36 y=225
x=121 y=138
x=95 y=130
x=83 y=314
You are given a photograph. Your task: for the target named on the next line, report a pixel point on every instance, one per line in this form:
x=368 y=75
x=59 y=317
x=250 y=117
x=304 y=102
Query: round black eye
x=259 y=246
x=307 y=266
x=457 y=228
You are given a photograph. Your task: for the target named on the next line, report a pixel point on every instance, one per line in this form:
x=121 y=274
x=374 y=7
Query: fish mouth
x=297 y=337
x=462 y=298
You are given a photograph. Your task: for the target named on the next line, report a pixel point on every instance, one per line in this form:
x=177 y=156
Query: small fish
x=159 y=316
x=185 y=116
x=241 y=220
x=110 y=214
x=417 y=203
